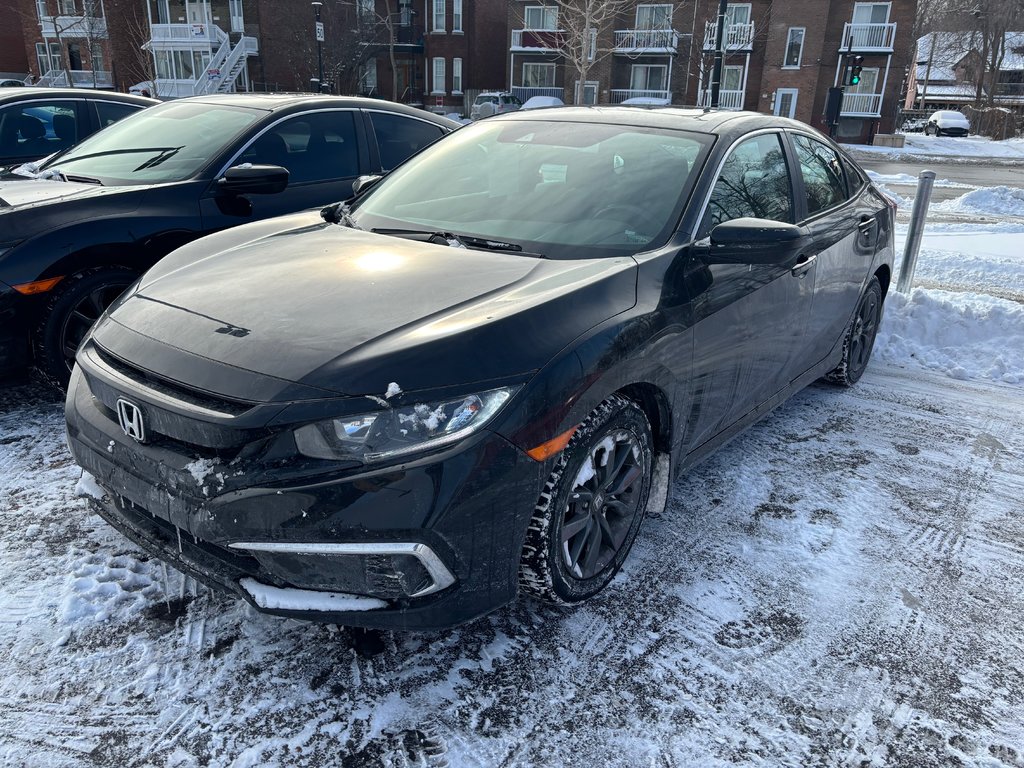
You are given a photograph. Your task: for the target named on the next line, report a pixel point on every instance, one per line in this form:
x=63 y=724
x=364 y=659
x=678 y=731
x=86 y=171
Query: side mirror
x=363 y=183
x=251 y=179
x=754 y=241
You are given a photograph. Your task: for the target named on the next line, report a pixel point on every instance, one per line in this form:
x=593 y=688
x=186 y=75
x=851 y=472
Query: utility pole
x=319 y=48
x=928 y=69
x=716 y=70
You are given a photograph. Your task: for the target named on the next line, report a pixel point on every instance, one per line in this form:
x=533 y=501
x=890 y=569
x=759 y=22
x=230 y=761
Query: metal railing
x=619 y=95
x=639 y=40
x=537 y=39
x=867 y=104
x=868 y=37
x=80 y=78
x=738 y=37
x=74 y=26
x=726 y=99
x=523 y=92
x=178 y=33
x=207 y=81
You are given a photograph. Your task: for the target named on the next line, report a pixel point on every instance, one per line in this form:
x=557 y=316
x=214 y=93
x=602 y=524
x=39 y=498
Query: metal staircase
x=225 y=65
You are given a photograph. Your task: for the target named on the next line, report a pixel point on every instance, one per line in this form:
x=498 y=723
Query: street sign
x=320 y=32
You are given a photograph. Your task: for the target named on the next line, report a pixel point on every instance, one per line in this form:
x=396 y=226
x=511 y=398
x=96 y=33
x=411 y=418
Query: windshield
x=562 y=189
x=169 y=142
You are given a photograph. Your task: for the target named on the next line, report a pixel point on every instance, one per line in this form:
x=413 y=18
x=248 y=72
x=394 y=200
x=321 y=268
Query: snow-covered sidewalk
x=917 y=146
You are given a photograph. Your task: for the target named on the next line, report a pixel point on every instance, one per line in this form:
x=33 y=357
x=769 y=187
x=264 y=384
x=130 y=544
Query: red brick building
x=13 y=59
x=781 y=56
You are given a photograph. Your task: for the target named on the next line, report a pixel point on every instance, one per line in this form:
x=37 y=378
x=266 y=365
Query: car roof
x=281 y=101
x=35 y=92
x=720 y=122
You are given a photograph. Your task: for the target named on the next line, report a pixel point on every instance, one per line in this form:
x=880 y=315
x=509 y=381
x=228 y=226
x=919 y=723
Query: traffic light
x=855 y=68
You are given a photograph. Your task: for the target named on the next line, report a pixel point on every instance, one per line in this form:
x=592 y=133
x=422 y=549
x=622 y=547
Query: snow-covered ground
x=955 y=148
x=841 y=585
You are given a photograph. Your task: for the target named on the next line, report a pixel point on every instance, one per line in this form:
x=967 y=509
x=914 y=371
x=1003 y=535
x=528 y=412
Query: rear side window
x=824 y=182
x=400 y=137
x=754 y=182
x=37 y=129
x=110 y=112
x=854 y=181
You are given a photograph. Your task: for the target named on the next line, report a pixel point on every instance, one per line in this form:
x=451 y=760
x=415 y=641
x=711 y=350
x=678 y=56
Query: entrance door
x=785 y=102
x=237 y=21
x=589 y=92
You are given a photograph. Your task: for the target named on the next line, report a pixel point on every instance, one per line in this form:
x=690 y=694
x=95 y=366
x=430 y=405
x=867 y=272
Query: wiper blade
x=132 y=151
x=164 y=155
x=440 y=237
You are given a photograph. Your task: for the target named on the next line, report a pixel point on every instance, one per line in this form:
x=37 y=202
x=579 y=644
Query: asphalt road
x=976 y=174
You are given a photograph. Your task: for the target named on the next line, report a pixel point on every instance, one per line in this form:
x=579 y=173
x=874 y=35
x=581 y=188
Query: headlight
x=380 y=435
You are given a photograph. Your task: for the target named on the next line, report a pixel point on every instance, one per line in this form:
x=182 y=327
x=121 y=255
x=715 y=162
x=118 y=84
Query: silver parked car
x=491 y=103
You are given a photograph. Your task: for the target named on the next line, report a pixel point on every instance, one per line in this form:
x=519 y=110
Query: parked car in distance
x=11 y=83
x=491 y=103
x=542 y=102
x=477 y=377
x=104 y=211
x=36 y=122
x=947 y=123
x=913 y=125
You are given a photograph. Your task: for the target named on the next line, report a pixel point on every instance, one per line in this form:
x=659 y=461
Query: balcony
x=537 y=39
x=202 y=34
x=732 y=100
x=90 y=27
x=619 y=95
x=80 y=78
x=738 y=37
x=868 y=38
x=638 y=41
x=862 y=105
x=523 y=92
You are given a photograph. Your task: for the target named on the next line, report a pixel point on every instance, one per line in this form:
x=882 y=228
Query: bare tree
x=141 y=67
x=582 y=25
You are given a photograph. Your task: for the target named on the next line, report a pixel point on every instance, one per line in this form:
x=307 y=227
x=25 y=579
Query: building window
x=868 y=81
x=870 y=13
x=438 y=79
x=439 y=13
x=648 y=77
x=794 y=47
x=737 y=13
x=66 y=7
x=456 y=75
x=368 y=78
x=41 y=10
x=540 y=17
x=456 y=15
x=654 y=17
x=732 y=78
x=785 y=102
x=537 y=75
x=46 y=63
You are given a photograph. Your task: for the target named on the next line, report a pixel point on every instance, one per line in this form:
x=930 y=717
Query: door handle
x=866 y=223
x=803 y=265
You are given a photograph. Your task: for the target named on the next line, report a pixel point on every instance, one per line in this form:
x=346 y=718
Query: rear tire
x=860 y=337
x=76 y=303
x=591 y=507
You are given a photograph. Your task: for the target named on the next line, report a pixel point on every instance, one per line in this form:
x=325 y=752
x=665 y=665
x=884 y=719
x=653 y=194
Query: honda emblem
x=129 y=416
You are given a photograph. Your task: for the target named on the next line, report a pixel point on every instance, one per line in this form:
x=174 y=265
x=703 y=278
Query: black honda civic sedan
x=102 y=212
x=481 y=373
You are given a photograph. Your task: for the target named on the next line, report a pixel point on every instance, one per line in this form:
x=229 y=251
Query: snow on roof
x=951 y=47
x=958 y=91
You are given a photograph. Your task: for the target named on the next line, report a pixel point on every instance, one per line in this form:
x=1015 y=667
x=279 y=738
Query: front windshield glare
x=563 y=189
x=169 y=142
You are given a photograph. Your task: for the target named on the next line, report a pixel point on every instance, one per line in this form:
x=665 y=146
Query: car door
x=841 y=217
x=324 y=152
x=748 y=318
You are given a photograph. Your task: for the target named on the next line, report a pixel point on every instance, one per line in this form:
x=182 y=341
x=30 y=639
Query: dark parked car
x=946 y=122
x=106 y=210
x=482 y=373
x=36 y=122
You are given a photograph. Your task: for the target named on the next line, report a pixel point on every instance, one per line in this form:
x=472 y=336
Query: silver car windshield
x=562 y=189
x=168 y=142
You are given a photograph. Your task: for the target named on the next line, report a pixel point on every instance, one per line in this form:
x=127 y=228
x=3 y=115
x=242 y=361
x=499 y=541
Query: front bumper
x=427 y=544
x=14 y=338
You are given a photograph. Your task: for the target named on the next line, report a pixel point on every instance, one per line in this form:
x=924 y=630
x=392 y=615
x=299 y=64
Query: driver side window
x=754 y=182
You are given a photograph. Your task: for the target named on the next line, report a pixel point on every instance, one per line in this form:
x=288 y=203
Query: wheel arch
x=658 y=409
x=884 y=276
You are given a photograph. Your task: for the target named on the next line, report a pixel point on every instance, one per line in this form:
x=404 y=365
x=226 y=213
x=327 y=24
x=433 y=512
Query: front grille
x=147 y=380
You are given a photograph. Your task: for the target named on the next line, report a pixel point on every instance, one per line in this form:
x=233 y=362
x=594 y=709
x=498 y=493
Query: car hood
x=953 y=122
x=348 y=312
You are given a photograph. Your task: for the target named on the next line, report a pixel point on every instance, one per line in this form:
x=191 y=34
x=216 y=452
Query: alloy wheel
x=865 y=326
x=603 y=503
x=84 y=314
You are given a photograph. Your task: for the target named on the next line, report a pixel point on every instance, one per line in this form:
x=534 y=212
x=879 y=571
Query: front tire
x=592 y=506
x=860 y=337
x=76 y=303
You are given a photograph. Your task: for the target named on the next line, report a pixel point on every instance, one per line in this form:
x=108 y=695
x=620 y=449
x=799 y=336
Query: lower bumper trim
x=291 y=599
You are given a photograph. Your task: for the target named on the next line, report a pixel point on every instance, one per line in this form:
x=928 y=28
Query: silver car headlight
x=384 y=434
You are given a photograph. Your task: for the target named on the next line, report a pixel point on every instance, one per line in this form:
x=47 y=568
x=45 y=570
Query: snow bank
x=994 y=201
x=961 y=334
x=290 y=599
x=954 y=147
